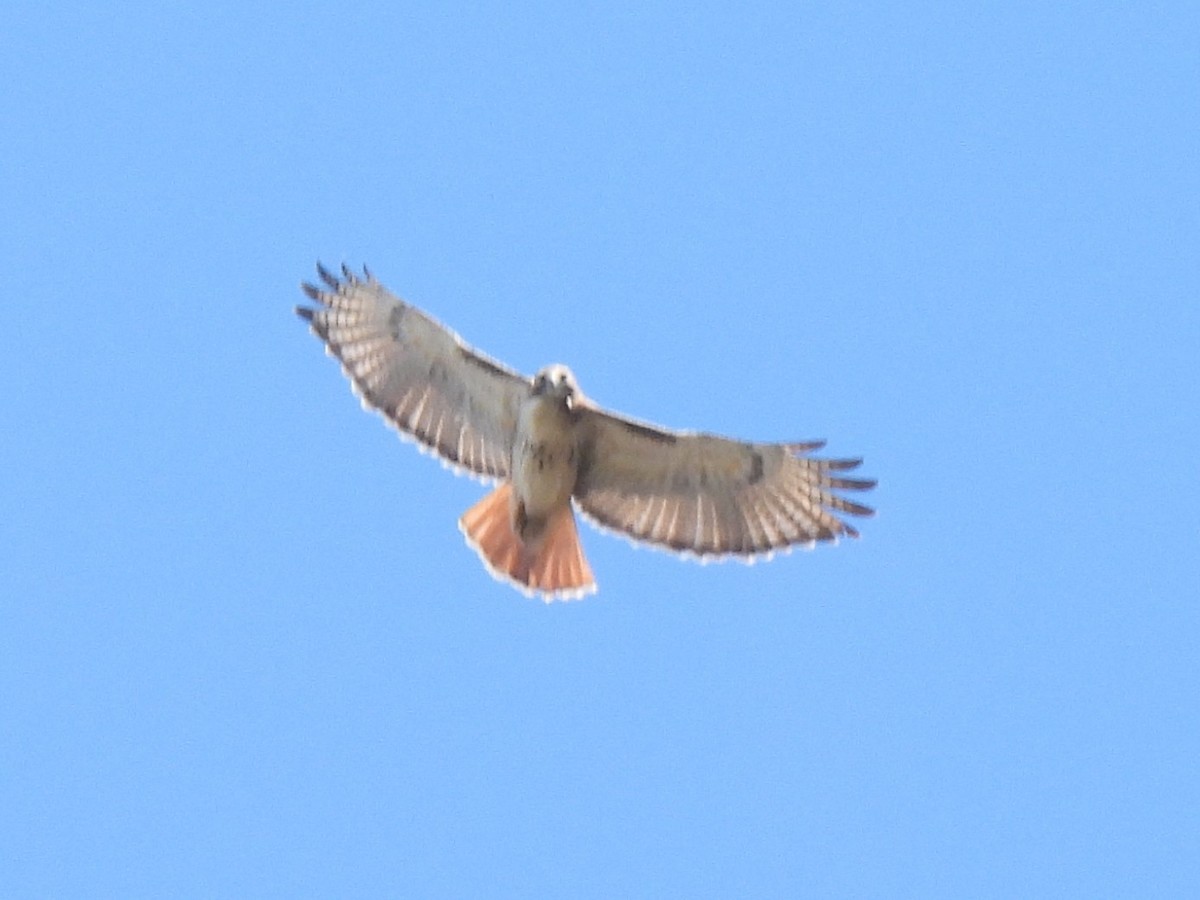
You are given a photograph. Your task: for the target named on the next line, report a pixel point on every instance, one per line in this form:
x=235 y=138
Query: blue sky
x=243 y=648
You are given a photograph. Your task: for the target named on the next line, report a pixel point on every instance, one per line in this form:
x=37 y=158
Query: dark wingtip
x=804 y=446
x=326 y=276
x=852 y=484
x=305 y=313
x=311 y=291
x=842 y=465
x=854 y=509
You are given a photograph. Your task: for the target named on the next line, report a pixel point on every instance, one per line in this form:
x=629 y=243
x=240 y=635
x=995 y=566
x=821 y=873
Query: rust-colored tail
x=553 y=566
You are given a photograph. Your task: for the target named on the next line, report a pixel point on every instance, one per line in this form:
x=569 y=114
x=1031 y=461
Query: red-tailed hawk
x=549 y=446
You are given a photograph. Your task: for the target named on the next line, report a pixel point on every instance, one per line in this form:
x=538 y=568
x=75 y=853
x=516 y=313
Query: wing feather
x=418 y=374
x=710 y=496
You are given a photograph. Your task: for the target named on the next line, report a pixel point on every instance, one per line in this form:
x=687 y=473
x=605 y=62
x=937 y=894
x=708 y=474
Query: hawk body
x=545 y=458
x=551 y=448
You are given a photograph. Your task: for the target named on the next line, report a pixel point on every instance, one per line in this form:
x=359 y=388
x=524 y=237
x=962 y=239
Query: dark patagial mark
x=651 y=434
x=756 y=467
x=479 y=362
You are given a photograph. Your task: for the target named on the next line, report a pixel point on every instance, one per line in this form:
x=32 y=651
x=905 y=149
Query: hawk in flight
x=549 y=447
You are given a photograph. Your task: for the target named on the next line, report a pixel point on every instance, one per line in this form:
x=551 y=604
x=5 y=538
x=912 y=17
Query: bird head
x=555 y=381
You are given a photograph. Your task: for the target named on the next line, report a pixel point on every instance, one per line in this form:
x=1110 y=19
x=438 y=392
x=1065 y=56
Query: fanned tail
x=553 y=566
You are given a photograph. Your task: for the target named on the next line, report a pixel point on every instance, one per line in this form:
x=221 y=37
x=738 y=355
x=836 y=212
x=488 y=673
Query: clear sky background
x=243 y=648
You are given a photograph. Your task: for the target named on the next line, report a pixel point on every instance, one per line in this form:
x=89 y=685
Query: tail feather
x=553 y=566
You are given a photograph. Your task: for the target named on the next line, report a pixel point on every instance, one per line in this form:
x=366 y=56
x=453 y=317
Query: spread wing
x=706 y=495
x=418 y=374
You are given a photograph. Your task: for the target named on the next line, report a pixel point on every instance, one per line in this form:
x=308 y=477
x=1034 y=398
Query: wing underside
x=419 y=375
x=709 y=496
